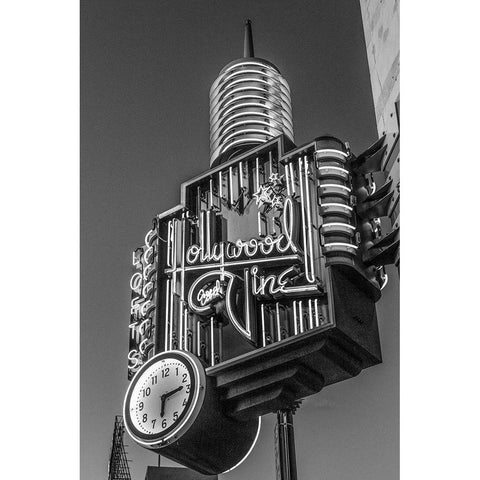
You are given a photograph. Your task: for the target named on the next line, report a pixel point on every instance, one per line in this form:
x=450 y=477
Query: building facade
x=381 y=24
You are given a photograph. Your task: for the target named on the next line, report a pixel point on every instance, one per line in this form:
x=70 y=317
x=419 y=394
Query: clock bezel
x=189 y=414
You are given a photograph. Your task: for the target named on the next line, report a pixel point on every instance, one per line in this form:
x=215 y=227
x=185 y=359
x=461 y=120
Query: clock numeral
x=176 y=371
x=140 y=406
x=165 y=372
x=144 y=418
x=187 y=388
x=146 y=392
x=164 y=423
x=184 y=379
x=154 y=380
x=153 y=422
x=175 y=416
x=184 y=402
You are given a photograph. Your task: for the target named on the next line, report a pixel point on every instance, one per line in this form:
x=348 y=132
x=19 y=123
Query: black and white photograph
x=206 y=227
x=240 y=221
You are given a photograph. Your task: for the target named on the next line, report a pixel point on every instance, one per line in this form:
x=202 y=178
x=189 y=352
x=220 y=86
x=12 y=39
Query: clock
x=174 y=408
x=164 y=398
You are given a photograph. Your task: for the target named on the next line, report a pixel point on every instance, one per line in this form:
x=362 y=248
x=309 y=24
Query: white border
x=439 y=393
x=39 y=195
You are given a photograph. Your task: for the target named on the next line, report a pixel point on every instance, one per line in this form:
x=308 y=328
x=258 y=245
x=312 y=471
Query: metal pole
x=285 y=445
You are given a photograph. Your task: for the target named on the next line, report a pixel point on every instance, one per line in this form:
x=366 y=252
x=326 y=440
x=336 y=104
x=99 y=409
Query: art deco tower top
x=249 y=105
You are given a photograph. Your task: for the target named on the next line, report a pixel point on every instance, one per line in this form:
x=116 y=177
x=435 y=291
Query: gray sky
x=146 y=69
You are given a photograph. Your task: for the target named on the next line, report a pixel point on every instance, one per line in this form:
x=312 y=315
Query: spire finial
x=248 y=41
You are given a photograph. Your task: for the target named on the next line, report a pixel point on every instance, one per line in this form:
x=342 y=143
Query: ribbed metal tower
x=249 y=105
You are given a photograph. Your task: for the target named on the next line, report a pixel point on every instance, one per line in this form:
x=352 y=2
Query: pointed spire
x=248 y=41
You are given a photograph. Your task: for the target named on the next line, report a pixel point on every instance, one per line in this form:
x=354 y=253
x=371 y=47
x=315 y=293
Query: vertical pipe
x=259 y=223
x=285 y=447
x=287 y=179
x=295 y=324
x=180 y=329
x=310 y=314
x=240 y=177
x=193 y=325
x=211 y=193
x=230 y=186
x=300 y=314
x=201 y=231
x=185 y=329
x=167 y=316
x=246 y=276
x=220 y=185
x=198 y=332
x=171 y=301
x=309 y=217
x=277 y=319
x=169 y=244
x=212 y=344
x=208 y=215
x=182 y=283
x=292 y=177
x=305 y=226
x=257 y=188
x=173 y=284
x=317 y=322
x=220 y=342
x=264 y=337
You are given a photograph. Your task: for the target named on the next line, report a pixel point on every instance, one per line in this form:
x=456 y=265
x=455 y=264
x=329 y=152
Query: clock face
x=162 y=397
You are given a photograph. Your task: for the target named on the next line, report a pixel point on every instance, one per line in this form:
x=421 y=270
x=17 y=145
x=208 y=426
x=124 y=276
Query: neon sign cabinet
x=258 y=274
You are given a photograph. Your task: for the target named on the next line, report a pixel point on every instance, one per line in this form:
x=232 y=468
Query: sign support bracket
x=285 y=457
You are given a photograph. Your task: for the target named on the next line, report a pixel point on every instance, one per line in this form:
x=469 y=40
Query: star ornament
x=275 y=179
x=262 y=197
x=267 y=197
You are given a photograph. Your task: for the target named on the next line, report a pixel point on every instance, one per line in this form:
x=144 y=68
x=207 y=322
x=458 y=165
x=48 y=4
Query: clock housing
x=196 y=431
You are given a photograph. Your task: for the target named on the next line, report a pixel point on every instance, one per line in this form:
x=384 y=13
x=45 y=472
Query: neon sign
x=236 y=278
x=142 y=305
x=227 y=251
x=244 y=255
x=208 y=295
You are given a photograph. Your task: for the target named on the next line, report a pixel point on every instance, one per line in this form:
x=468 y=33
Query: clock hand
x=173 y=391
x=162 y=409
x=164 y=397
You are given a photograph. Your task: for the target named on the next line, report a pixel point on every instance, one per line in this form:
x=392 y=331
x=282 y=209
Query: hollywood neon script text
x=225 y=251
